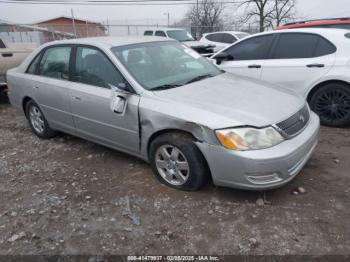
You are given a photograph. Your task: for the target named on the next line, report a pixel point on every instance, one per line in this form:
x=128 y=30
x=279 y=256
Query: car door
x=298 y=60
x=48 y=77
x=248 y=56
x=91 y=96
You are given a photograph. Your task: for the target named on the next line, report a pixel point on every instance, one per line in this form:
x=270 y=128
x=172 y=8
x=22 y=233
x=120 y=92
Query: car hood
x=228 y=100
x=196 y=44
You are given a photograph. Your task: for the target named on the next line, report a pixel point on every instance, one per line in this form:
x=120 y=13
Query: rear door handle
x=254 y=66
x=315 y=65
x=7 y=54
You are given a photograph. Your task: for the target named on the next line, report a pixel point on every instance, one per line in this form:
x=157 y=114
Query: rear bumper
x=262 y=169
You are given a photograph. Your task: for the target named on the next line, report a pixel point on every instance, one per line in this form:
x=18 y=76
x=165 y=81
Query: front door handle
x=76 y=97
x=7 y=54
x=315 y=65
x=254 y=66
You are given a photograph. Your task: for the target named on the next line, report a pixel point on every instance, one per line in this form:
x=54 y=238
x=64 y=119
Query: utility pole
x=73 y=22
x=197 y=20
x=168 y=15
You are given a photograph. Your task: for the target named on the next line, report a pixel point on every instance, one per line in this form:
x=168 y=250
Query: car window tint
x=55 y=62
x=148 y=33
x=215 y=37
x=324 y=47
x=94 y=68
x=251 y=49
x=2 y=45
x=32 y=69
x=160 y=33
x=228 y=39
x=296 y=45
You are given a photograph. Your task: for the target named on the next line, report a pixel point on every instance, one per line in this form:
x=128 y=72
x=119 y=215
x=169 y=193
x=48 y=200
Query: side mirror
x=223 y=56
x=121 y=87
x=118 y=104
x=118 y=101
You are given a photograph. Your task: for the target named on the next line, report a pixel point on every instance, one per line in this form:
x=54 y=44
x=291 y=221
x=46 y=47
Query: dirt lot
x=69 y=196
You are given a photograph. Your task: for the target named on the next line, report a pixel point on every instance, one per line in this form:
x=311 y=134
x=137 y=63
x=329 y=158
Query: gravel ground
x=69 y=196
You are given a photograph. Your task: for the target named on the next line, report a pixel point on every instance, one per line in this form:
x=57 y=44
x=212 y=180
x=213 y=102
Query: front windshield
x=164 y=64
x=180 y=35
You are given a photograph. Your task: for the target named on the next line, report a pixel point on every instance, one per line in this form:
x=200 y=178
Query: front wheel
x=332 y=103
x=177 y=162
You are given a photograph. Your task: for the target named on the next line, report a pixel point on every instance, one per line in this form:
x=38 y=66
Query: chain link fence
x=42 y=33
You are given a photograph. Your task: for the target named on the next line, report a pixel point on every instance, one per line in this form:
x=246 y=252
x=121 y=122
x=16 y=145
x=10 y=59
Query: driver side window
x=94 y=68
x=255 y=48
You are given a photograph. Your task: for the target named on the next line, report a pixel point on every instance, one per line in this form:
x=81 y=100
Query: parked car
x=340 y=23
x=159 y=100
x=312 y=62
x=222 y=39
x=183 y=36
x=11 y=55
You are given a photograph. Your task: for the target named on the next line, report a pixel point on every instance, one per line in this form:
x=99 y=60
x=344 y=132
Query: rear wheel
x=332 y=103
x=37 y=121
x=177 y=162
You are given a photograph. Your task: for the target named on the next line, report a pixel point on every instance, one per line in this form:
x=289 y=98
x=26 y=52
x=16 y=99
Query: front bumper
x=262 y=169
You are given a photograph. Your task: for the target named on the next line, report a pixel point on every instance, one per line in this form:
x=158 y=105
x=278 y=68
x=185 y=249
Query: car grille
x=296 y=123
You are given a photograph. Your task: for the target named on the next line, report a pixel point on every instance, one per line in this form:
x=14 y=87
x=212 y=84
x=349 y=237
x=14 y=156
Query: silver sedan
x=159 y=100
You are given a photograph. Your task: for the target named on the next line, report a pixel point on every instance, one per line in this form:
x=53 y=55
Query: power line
x=111 y=2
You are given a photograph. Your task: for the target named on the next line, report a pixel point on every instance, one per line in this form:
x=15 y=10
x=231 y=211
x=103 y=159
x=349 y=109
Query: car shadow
x=4 y=98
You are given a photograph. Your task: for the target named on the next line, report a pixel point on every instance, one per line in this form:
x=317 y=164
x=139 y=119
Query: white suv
x=182 y=36
x=222 y=39
x=313 y=62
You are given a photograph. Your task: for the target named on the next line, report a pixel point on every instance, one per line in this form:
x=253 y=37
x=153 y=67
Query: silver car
x=159 y=100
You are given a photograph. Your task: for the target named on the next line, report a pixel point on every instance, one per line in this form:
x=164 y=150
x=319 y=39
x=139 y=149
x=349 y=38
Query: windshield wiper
x=198 y=78
x=164 y=87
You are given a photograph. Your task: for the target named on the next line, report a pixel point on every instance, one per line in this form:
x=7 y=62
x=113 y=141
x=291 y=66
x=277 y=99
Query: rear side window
x=292 y=46
x=32 y=69
x=295 y=45
x=55 y=62
x=255 y=48
x=324 y=47
x=228 y=39
x=2 y=45
x=160 y=33
x=148 y=33
x=215 y=37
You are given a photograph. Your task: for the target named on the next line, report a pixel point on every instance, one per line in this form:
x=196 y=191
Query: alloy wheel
x=333 y=105
x=37 y=119
x=172 y=165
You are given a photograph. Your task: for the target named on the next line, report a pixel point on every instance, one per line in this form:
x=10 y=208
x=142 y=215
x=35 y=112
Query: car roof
x=228 y=32
x=321 y=22
x=112 y=41
x=163 y=29
x=320 y=31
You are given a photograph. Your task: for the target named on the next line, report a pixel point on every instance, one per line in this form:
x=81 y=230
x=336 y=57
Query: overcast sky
x=22 y=13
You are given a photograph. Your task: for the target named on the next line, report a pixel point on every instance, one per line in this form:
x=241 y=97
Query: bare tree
x=206 y=17
x=260 y=10
x=268 y=13
x=284 y=11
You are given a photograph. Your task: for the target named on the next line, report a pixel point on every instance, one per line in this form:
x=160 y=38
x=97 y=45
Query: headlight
x=242 y=139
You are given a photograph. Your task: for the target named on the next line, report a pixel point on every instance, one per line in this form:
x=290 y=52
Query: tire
x=37 y=121
x=180 y=147
x=332 y=103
